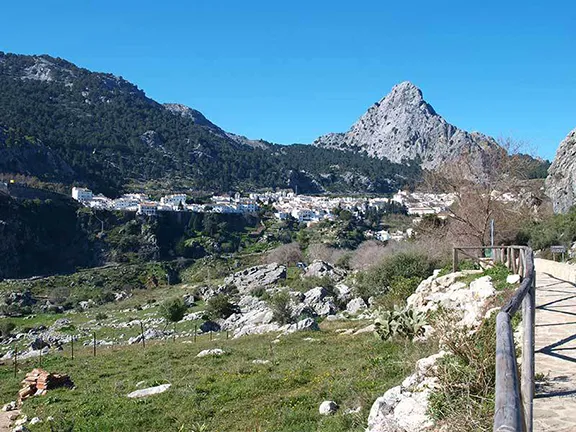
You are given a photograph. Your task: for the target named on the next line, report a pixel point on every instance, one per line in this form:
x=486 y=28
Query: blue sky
x=289 y=71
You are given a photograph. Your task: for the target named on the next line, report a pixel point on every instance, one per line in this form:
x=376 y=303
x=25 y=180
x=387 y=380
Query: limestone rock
x=320 y=268
x=10 y=406
x=210 y=352
x=256 y=277
x=356 y=305
x=561 y=180
x=403 y=126
x=149 y=391
x=328 y=408
x=513 y=279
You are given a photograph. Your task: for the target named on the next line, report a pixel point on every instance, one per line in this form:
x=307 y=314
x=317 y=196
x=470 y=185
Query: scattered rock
x=356 y=305
x=513 y=279
x=320 y=268
x=328 y=408
x=210 y=352
x=149 y=391
x=10 y=406
x=260 y=362
x=35 y=420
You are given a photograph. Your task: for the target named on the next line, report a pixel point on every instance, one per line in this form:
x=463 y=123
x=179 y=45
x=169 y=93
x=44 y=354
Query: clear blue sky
x=289 y=71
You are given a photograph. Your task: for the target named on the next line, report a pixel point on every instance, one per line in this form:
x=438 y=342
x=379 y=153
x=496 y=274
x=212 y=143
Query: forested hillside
x=105 y=133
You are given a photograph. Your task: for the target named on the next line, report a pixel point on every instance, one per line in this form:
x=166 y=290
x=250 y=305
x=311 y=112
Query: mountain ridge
x=113 y=136
x=403 y=126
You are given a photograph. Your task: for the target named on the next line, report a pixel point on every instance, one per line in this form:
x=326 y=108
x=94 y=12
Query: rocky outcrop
x=320 y=268
x=198 y=118
x=403 y=126
x=257 y=277
x=405 y=408
x=450 y=294
x=561 y=181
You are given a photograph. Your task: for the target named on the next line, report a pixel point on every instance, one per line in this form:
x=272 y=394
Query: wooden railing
x=514 y=394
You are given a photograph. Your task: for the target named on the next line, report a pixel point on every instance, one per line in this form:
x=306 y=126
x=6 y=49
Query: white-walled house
x=174 y=200
x=148 y=208
x=82 y=194
x=125 y=203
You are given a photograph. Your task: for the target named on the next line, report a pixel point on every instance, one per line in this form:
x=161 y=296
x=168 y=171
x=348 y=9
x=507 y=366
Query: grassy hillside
x=227 y=393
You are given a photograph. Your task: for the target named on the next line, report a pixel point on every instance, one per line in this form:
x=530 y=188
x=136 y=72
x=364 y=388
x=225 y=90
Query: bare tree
x=286 y=254
x=484 y=190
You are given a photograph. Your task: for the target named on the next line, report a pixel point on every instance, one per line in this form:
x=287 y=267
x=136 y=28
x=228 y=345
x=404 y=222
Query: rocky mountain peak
x=403 y=126
x=561 y=180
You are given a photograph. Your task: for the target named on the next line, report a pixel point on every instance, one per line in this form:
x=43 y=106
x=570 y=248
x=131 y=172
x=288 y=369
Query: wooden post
x=528 y=362
x=455 y=260
x=508 y=406
x=142 y=334
x=72 y=346
x=15 y=360
x=94 y=344
x=195 y=327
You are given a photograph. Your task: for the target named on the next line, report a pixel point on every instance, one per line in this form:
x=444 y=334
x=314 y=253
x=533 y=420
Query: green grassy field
x=227 y=393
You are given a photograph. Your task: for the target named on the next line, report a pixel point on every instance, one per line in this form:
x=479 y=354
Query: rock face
x=561 y=181
x=448 y=293
x=403 y=126
x=258 y=276
x=198 y=118
x=404 y=408
x=320 y=268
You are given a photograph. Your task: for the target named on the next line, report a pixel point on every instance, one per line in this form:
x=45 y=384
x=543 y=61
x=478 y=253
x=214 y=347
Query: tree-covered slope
x=110 y=134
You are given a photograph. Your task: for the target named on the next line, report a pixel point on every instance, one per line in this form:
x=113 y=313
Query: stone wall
x=564 y=271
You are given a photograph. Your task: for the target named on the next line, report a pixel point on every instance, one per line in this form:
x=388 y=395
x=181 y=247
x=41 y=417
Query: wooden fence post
x=455 y=260
x=142 y=334
x=15 y=360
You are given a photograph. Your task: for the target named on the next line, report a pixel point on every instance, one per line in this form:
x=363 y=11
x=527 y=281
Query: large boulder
x=448 y=293
x=356 y=305
x=404 y=408
x=256 y=277
x=320 y=268
x=320 y=302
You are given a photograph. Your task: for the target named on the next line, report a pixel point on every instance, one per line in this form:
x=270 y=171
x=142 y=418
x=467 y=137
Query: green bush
x=280 y=305
x=220 y=306
x=404 y=269
x=100 y=316
x=173 y=310
x=6 y=328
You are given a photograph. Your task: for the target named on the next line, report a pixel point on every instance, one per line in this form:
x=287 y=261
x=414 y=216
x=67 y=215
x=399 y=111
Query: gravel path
x=555 y=403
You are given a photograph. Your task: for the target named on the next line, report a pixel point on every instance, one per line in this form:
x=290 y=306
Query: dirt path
x=555 y=403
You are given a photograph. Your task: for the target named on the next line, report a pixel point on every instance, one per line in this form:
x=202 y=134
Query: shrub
x=220 y=306
x=398 y=267
x=281 y=309
x=404 y=322
x=101 y=316
x=6 y=328
x=173 y=310
x=286 y=254
x=399 y=290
